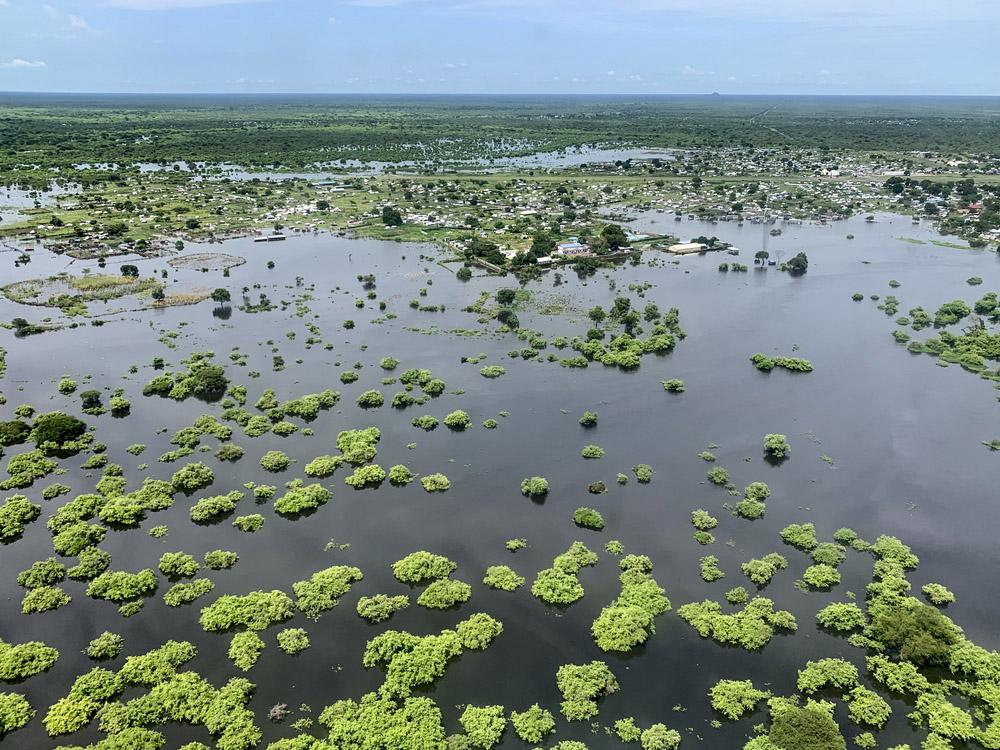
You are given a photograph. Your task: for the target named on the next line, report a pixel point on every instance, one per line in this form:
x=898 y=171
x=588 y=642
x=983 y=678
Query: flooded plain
x=882 y=441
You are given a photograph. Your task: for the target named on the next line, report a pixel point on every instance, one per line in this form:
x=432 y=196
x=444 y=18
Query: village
x=153 y=212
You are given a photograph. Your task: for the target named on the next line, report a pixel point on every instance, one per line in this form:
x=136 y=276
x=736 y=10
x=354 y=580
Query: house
x=572 y=247
x=686 y=247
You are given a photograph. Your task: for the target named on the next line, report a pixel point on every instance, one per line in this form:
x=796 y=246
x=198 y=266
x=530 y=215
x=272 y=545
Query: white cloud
x=824 y=12
x=67 y=23
x=78 y=23
x=690 y=70
x=332 y=20
x=17 y=62
x=171 y=4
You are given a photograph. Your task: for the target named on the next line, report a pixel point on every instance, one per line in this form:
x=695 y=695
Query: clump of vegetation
x=185 y=593
x=425 y=422
x=559 y=584
x=121 y=586
x=203 y=379
x=178 y=565
x=792 y=364
x=107 y=645
x=324 y=588
x=220 y=559
x=589 y=419
x=411 y=661
x=841 y=617
x=503 y=578
x=400 y=475
x=275 y=461
x=710 y=570
x=250 y=523
x=359 y=446
x=673 y=386
x=457 y=420
x=435 y=482
x=821 y=576
x=629 y=619
x=643 y=473
x=419 y=567
x=776 y=446
x=211 y=508
x=293 y=640
x=761 y=570
x=703 y=520
x=381 y=607
x=16 y=512
x=533 y=725
x=752 y=627
x=534 y=487
x=581 y=686
x=301 y=498
x=371 y=475
x=444 y=593
x=588 y=518
x=192 y=477
x=719 y=476
x=245 y=649
x=801 y=536
x=752 y=505
x=257 y=610
x=937 y=594
x=492 y=371
x=322 y=466
x=371 y=399
x=734 y=698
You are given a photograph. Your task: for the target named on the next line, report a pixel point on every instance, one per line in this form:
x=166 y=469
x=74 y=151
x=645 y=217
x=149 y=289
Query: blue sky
x=502 y=46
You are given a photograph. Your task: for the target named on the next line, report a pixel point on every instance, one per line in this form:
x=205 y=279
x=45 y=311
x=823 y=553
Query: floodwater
x=903 y=435
x=570 y=157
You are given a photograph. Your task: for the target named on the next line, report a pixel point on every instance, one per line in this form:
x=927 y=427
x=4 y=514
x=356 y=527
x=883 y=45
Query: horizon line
x=646 y=94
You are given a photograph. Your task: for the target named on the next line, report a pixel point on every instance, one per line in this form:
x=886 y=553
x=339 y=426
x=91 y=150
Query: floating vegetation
x=381 y=607
x=751 y=627
x=792 y=364
x=628 y=620
x=559 y=584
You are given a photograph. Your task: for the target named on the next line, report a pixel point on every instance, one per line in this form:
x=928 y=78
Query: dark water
x=903 y=434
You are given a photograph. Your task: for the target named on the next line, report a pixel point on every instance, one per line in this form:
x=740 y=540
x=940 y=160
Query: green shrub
x=293 y=640
x=245 y=649
x=185 y=593
x=457 y=420
x=444 y=593
x=435 y=482
x=122 y=586
x=178 y=565
x=581 y=686
x=324 y=588
x=503 y=578
x=107 y=645
x=533 y=725
x=301 y=498
x=381 y=607
x=483 y=725
x=422 y=566
x=589 y=518
x=250 y=523
x=275 y=461
x=776 y=446
x=220 y=559
x=371 y=475
x=534 y=487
